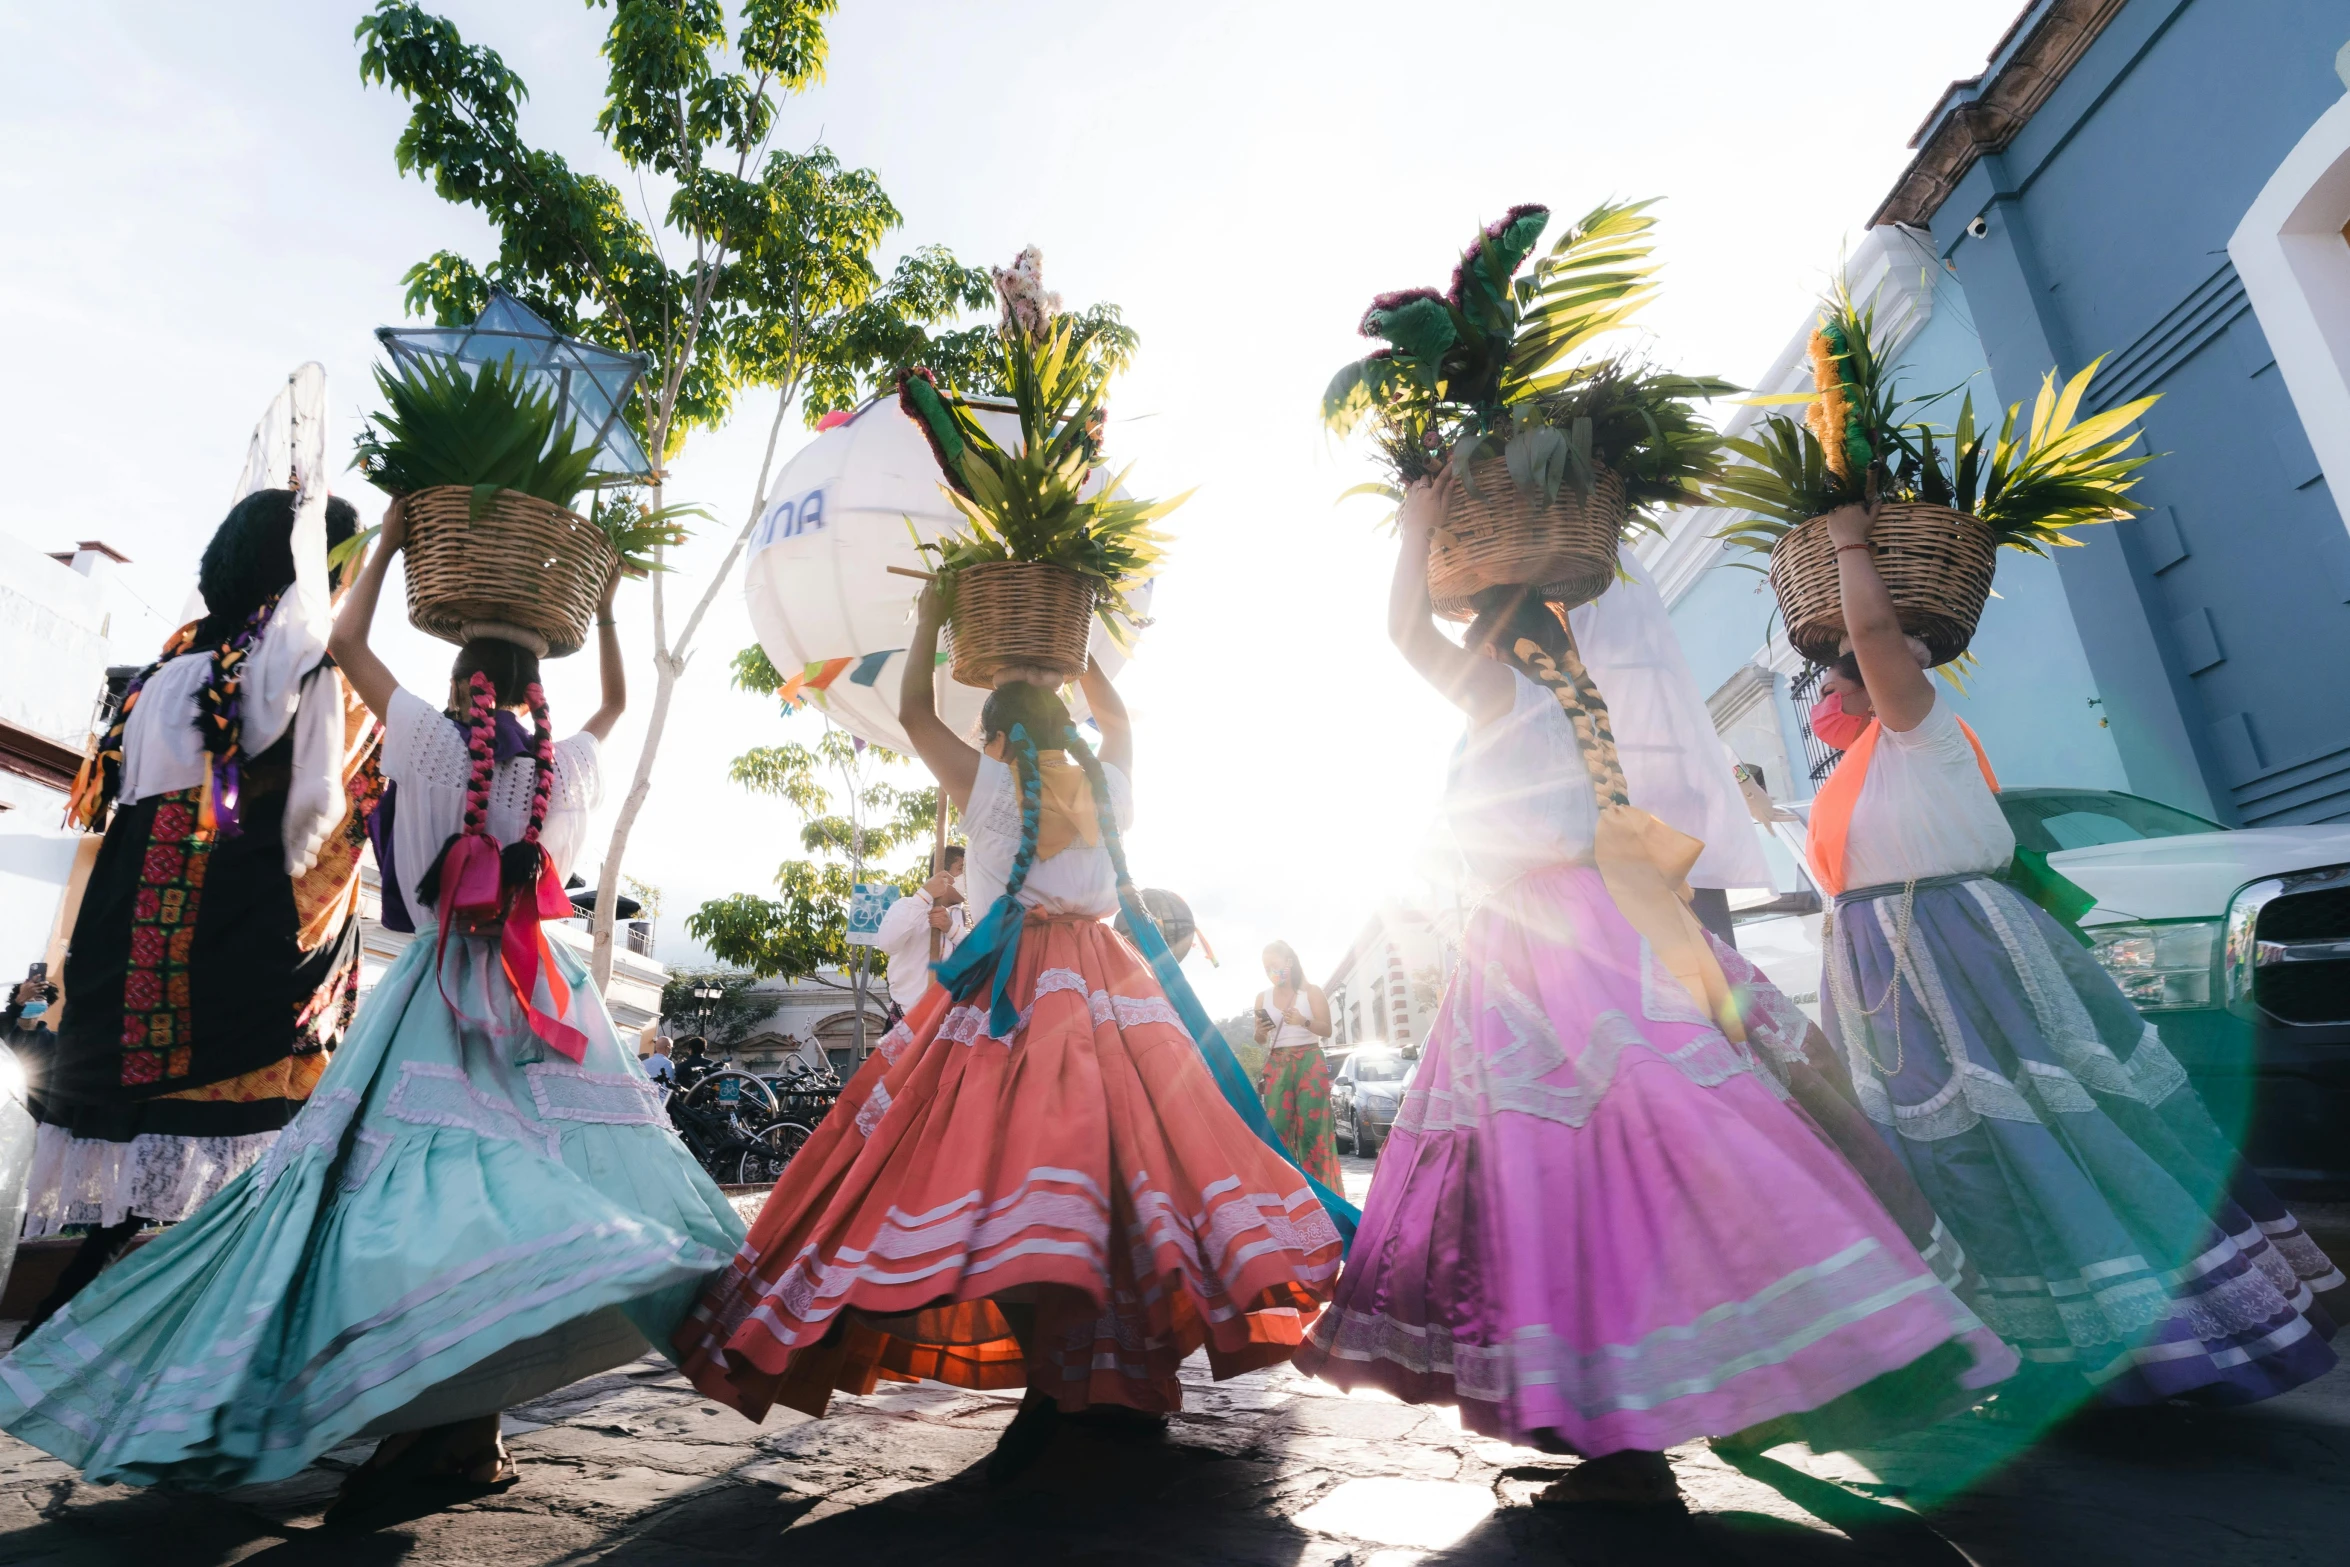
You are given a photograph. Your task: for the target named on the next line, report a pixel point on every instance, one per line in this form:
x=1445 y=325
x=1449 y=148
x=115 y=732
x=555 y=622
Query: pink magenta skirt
x=1600 y=1223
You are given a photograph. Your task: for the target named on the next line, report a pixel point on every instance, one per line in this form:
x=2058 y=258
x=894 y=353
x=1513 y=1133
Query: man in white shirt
x=936 y=906
x=658 y=1066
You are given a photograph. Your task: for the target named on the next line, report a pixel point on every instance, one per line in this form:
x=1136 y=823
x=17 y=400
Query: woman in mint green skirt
x=482 y=1201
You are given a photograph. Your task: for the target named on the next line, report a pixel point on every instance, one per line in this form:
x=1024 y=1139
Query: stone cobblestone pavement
x=635 y=1468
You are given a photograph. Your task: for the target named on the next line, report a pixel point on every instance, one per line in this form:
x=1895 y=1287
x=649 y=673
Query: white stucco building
x=814 y=1019
x=1387 y=985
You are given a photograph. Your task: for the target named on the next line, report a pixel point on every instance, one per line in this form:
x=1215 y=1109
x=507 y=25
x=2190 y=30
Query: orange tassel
x=81 y=806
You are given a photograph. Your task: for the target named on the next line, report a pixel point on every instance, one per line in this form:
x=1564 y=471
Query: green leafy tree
x=851 y=813
x=737 y=1011
x=758 y=274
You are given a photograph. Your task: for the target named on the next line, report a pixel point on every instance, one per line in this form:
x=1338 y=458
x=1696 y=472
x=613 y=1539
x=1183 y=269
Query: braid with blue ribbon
x=994 y=944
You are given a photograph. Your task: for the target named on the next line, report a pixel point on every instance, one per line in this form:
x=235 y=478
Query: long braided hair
x=1017 y=707
x=1530 y=633
x=491 y=674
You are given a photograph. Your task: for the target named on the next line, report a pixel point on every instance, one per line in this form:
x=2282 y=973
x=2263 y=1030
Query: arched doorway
x=836 y=1036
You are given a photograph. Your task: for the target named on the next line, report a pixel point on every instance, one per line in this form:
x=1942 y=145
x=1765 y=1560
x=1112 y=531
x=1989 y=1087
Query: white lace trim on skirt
x=78 y=1180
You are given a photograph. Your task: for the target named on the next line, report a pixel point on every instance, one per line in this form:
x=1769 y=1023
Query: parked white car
x=2234 y=942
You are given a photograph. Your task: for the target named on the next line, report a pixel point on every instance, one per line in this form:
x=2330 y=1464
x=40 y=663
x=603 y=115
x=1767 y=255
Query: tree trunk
x=669 y=664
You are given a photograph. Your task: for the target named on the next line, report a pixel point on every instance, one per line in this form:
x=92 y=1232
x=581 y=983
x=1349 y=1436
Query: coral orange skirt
x=1087 y=1167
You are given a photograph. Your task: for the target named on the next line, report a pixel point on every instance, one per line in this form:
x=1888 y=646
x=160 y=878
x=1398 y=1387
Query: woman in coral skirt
x=1600 y=1226
x=1034 y=1182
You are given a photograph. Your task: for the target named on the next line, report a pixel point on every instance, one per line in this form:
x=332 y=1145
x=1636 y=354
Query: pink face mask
x=1835 y=727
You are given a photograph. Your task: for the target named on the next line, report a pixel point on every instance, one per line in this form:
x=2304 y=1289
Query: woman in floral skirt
x=1293 y=1018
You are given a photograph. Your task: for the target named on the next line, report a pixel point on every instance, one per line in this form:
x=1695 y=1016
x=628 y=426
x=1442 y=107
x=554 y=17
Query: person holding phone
x=1293 y=1018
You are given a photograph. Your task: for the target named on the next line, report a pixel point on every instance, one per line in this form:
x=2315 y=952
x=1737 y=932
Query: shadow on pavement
x=1095 y=1497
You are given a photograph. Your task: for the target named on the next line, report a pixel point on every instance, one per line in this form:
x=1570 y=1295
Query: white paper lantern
x=823 y=601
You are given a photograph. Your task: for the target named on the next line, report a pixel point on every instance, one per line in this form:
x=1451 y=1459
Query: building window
x=1817 y=756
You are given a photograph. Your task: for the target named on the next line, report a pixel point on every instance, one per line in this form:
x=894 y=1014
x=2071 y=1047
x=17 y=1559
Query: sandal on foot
x=1642 y=1481
x=455 y=1479
x=1023 y=1441
x=377 y=1481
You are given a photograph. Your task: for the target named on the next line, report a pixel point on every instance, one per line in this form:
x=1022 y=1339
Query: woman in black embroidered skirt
x=214 y=959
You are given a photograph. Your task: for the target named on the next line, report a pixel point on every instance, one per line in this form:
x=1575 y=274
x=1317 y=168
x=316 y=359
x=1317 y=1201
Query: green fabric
x=2065 y=901
x=1419 y=328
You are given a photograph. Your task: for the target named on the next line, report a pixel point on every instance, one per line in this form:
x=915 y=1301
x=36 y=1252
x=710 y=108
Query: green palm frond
x=2029 y=485
x=1029 y=503
x=489 y=431
x=485 y=431
x=1508 y=362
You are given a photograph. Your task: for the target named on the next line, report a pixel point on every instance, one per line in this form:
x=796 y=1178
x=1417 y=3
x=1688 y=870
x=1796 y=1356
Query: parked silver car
x=1366 y=1092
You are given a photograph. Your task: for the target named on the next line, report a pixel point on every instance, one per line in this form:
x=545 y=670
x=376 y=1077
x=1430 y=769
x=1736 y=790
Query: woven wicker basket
x=1017 y=614
x=1937 y=564
x=524 y=565
x=1506 y=538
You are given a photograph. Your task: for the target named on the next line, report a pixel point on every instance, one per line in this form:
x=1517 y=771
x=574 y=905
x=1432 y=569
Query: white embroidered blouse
x=1078 y=880
x=424 y=753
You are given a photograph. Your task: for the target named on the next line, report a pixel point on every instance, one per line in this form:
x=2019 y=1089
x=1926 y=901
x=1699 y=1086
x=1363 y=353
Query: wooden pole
x=938 y=863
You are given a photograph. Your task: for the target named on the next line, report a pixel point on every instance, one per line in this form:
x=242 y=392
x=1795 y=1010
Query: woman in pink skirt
x=1600 y=1226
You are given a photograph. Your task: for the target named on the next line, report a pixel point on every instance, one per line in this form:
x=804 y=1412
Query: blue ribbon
x=990 y=950
x=1224 y=1064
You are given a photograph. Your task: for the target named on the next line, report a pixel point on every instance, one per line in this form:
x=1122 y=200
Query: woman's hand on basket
x=1423 y=504
x=394 y=531
x=1850 y=526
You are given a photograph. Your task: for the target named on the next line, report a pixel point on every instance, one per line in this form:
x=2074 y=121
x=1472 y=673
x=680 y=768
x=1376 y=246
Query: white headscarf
x=289 y=444
x=1675 y=763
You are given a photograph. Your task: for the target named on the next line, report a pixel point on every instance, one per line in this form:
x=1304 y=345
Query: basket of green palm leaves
x=1049 y=543
x=488 y=482
x=1946 y=502
x=1559 y=452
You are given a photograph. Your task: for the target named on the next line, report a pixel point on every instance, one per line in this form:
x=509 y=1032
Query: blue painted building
x=2166 y=183
x=2099 y=190
x=2031 y=695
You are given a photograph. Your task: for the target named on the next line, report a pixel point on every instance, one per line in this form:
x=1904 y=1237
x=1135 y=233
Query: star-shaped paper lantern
x=593 y=382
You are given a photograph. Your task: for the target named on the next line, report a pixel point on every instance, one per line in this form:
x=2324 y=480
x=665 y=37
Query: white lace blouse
x=1519 y=797
x=1078 y=880
x=424 y=753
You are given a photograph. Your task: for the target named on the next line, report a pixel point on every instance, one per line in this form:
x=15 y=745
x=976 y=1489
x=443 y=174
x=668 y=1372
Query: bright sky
x=200 y=198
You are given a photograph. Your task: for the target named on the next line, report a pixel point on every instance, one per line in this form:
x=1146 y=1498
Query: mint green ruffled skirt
x=458 y=1221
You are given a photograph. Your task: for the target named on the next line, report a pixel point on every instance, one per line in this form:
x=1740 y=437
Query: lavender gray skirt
x=2119 y=1237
